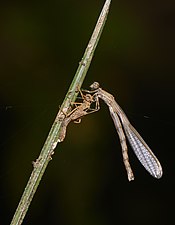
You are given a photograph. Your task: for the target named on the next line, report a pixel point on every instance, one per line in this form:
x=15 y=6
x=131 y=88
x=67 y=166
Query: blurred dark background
x=41 y=45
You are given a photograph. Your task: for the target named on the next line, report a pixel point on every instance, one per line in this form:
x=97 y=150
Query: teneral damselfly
x=140 y=148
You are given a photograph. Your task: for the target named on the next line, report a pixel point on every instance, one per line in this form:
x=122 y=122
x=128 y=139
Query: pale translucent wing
x=143 y=152
x=140 y=148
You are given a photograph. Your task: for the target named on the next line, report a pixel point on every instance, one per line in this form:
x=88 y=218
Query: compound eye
x=95 y=86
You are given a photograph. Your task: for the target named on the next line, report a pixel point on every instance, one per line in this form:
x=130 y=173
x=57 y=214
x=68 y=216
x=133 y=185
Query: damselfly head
x=95 y=86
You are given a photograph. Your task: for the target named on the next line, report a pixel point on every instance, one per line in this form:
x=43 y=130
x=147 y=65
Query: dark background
x=41 y=43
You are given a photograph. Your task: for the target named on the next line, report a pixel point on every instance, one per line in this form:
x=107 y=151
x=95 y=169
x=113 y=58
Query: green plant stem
x=51 y=142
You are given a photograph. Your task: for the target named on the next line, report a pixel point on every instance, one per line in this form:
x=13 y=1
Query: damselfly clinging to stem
x=140 y=148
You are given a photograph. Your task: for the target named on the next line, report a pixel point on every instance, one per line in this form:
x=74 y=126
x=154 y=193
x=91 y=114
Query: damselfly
x=140 y=148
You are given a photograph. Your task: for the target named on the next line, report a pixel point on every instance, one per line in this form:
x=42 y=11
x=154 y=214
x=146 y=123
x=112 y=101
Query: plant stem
x=51 y=142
